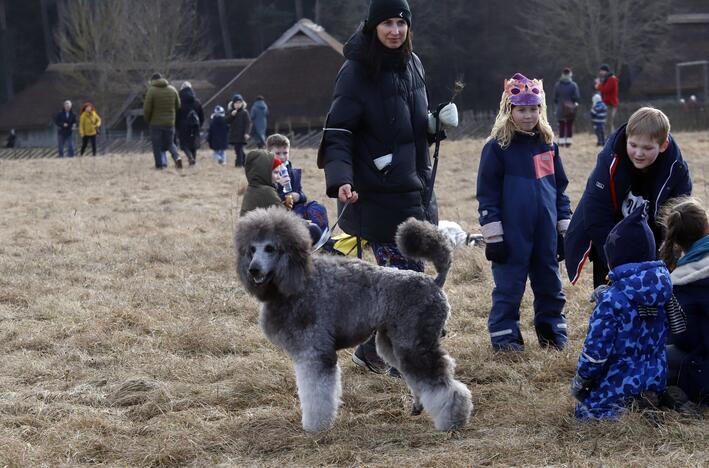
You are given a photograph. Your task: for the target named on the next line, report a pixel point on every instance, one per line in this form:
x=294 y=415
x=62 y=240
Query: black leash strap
x=429 y=189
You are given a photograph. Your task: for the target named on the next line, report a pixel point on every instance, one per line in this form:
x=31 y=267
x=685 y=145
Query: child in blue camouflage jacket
x=623 y=356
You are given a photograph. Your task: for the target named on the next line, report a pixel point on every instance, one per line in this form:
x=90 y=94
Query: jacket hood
x=691 y=272
x=645 y=283
x=159 y=83
x=356 y=46
x=258 y=167
x=187 y=95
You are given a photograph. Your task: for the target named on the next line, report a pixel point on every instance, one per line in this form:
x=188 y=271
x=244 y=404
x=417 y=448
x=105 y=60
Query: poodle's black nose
x=254 y=271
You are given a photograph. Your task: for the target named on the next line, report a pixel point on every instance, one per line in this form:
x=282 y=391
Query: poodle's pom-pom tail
x=423 y=241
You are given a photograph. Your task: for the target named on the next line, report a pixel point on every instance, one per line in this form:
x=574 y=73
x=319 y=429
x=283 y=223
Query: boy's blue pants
x=531 y=254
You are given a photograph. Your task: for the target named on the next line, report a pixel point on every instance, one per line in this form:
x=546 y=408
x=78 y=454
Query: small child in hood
x=261 y=168
x=599 y=112
x=624 y=357
x=218 y=135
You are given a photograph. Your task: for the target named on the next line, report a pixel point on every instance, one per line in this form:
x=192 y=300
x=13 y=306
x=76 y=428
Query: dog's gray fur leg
x=319 y=390
x=384 y=348
x=417 y=407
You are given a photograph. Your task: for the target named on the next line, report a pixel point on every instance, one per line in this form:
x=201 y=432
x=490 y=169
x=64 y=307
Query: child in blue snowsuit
x=309 y=210
x=599 y=112
x=623 y=356
x=524 y=213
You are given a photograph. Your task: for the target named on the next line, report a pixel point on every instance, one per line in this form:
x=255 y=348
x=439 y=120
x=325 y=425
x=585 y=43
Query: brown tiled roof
x=295 y=75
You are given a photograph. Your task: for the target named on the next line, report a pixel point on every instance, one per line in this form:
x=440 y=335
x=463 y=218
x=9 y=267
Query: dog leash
x=327 y=233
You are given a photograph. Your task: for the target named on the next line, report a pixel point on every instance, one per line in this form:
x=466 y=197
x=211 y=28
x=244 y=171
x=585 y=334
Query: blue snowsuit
x=624 y=353
x=520 y=189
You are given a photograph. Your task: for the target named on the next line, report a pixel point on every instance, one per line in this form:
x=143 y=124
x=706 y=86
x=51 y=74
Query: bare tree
x=586 y=33
x=44 y=11
x=5 y=53
x=113 y=46
x=298 y=9
x=226 y=39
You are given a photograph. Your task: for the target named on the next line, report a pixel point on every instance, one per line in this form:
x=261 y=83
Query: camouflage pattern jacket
x=624 y=352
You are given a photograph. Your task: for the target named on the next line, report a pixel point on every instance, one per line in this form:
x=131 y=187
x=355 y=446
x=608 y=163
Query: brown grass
x=126 y=339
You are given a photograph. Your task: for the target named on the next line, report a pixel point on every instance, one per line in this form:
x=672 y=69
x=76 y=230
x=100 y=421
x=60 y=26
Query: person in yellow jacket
x=89 y=126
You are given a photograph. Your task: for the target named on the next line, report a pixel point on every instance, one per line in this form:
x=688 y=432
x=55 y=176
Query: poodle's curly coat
x=315 y=305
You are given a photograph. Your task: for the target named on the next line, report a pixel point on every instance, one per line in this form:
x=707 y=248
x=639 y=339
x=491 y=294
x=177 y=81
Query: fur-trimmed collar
x=691 y=272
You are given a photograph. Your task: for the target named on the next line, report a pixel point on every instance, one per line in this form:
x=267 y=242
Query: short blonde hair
x=277 y=140
x=650 y=122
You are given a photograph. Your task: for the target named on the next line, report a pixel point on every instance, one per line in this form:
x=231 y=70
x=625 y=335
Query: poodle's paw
x=317 y=425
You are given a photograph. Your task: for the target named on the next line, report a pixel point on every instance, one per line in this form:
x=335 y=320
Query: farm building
x=31 y=111
x=688 y=28
x=295 y=75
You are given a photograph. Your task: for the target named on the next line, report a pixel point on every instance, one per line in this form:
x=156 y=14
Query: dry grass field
x=126 y=340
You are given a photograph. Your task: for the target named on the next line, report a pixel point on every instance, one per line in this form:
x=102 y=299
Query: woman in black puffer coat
x=375 y=147
x=188 y=121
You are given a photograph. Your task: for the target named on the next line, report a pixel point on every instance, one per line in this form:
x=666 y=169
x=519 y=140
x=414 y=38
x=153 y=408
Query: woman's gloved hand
x=448 y=116
x=496 y=251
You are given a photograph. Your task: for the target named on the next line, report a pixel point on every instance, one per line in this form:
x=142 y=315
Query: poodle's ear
x=293 y=268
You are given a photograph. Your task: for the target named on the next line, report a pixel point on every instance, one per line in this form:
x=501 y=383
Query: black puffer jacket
x=372 y=117
x=188 y=102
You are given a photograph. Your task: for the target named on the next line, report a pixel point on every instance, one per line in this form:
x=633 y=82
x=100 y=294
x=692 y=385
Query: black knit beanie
x=631 y=240
x=380 y=10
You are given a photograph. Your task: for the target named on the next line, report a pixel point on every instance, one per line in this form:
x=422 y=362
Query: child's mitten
x=560 y=248
x=580 y=387
x=496 y=252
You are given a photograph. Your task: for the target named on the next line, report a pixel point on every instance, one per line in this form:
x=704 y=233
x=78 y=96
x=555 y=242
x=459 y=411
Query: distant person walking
x=599 y=111
x=89 y=126
x=239 y=127
x=566 y=101
x=65 y=122
x=11 y=139
x=218 y=136
x=607 y=84
x=159 y=110
x=190 y=118
x=259 y=118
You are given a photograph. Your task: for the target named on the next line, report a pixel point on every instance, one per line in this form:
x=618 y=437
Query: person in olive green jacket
x=159 y=110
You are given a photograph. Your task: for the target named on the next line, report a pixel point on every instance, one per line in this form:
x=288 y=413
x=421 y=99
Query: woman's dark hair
x=685 y=222
x=381 y=57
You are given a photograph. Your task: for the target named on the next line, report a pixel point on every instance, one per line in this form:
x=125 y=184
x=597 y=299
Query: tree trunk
x=226 y=39
x=61 y=14
x=298 y=9
x=5 y=54
x=317 y=11
x=46 y=31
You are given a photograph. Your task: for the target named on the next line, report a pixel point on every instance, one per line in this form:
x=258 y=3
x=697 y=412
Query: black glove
x=580 y=387
x=560 y=256
x=496 y=252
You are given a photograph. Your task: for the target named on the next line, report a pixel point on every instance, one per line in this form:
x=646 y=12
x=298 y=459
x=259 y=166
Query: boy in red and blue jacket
x=640 y=162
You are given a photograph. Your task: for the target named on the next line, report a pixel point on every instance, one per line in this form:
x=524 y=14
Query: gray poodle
x=315 y=305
